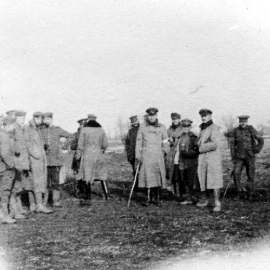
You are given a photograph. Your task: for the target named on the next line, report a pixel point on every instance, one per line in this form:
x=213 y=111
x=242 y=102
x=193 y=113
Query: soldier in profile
x=131 y=144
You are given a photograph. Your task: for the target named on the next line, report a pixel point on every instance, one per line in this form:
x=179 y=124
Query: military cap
x=20 y=113
x=186 y=122
x=243 y=117
x=204 y=112
x=38 y=114
x=152 y=111
x=10 y=112
x=8 y=120
x=82 y=121
x=48 y=114
x=133 y=119
x=175 y=116
x=91 y=116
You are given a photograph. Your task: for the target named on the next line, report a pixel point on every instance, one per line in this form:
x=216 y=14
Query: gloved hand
x=46 y=147
x=139 y=159
x=17 y=154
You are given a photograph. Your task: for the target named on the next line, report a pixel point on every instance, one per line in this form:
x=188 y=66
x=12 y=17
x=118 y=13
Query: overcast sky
x=120 y=57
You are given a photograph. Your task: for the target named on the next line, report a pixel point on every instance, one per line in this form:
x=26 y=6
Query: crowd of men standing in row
x=189 y=162
x=31 y=159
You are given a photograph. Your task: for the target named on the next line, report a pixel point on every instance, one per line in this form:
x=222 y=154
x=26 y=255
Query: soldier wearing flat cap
x=174 y=132
x=11 y=113
x=186 y=162
x=51 y=135
x=245 y=144
x=210 y=162
x=23 y=172
x=131 y=143
x=149 y=153
x=38 y=162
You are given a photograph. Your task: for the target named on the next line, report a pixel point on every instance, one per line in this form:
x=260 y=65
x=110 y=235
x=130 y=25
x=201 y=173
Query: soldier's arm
x=80 y=144
x=194 y=151
x=63 y=133
x=213 y=143
x=259 y=139
x=104 y=143
x=6 y=155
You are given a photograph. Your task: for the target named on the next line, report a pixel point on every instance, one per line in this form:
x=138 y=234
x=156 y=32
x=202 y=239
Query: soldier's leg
x=250 y=169
x=157 y=191
x=176 y=181
x=182 y=184
x=56 y=187
x=190 y=174
x=6 y=181
x=237 y=170
x=40 y=208
x=105 y=189
x=149 y=197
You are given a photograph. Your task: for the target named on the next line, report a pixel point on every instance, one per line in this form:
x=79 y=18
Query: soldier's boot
x=40 y=207
x=6 y=218
x=105 y=189
x=45 y=199
x=19 y=205
x=87 y=198
x=217 y=207
x=158 y=194
x=149 y=198
x=32 y=202
x=14 y=209
x=203 y=202
x=56 y=199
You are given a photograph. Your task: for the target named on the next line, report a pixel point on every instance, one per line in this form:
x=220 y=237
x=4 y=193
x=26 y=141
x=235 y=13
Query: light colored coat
x=37 y=154
x=91 y=147
x=149 y=147
x=210 y=162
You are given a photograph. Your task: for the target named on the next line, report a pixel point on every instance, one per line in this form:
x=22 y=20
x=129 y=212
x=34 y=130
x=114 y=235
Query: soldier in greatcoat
x=174 y=132
x=91 y=148
x=131 y=144
x=23 y=172
x=51 y=138
x=210 y=160
x=186 y=159
x=38 y=162
x=245 y=144
x=149 y=153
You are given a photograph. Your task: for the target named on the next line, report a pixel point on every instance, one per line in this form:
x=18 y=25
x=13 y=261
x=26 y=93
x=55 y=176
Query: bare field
x=109 y=235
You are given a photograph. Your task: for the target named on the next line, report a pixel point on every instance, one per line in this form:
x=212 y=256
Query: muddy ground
x=109 y=235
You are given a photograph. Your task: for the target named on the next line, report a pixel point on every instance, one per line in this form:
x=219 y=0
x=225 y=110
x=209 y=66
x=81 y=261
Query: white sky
x=120 y=57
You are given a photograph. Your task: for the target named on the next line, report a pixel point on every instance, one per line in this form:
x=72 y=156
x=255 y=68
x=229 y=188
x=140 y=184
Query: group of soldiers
x=191 y=164
x=31 y=161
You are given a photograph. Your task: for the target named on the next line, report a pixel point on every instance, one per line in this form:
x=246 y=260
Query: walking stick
x=228 y=184
x=134 y=183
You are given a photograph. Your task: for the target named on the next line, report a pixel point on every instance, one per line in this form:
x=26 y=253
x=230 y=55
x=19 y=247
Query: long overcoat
x=149 y=146
x=7 y=158
x=22 y=158
x=37 y=156
x=51 y=136
x=210 y=161
x=173 y=134
x=91 y=147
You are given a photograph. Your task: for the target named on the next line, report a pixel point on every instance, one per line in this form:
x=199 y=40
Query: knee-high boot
x=5 y=218
x=40 y=207
x=32 y=201
x=19 y=205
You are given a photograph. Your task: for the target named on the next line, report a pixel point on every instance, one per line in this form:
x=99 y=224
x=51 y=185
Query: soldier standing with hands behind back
x=245 y=144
